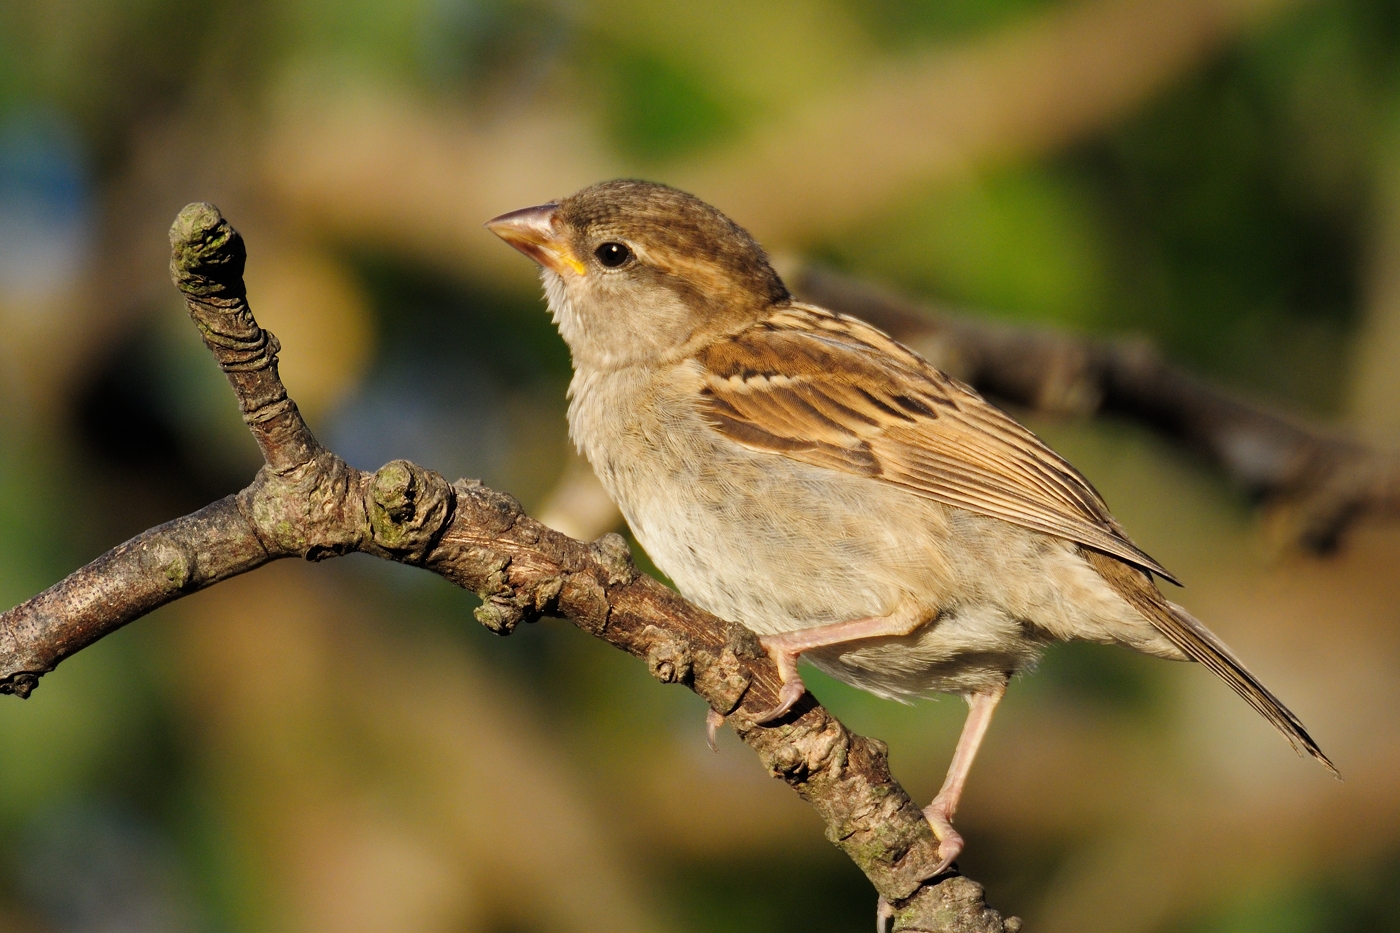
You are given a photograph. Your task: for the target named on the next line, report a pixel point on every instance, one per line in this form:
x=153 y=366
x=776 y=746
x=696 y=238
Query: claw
x=791 y=692
x=785 y=658
x=713 y=720
x=948 y=851
x=884 y=913
x=950 y=841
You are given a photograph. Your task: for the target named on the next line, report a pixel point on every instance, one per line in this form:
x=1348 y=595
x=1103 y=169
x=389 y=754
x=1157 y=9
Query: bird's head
x=638 y=272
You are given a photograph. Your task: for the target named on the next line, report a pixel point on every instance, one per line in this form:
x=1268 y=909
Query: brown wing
x=832 y=391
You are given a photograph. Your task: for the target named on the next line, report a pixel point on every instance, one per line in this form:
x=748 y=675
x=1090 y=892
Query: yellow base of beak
x=532 y=230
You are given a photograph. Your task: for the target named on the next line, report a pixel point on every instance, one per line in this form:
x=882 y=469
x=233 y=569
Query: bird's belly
x=833 y=555
x=777 y=545
x=777 y=552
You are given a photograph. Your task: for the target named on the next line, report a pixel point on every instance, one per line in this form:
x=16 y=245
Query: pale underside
x=837 y=491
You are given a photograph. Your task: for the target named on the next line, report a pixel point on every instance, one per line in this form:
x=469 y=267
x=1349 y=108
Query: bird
x=802 y=473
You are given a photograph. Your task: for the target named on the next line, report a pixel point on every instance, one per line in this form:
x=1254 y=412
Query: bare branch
x=206 y=262
x=1325 y=481
x=145 y=573
x=307 y=502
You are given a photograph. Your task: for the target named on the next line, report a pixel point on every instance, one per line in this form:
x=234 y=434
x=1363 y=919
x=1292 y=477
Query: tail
x=1200 y=644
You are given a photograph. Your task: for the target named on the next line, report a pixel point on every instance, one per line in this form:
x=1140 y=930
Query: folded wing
x=835 y=392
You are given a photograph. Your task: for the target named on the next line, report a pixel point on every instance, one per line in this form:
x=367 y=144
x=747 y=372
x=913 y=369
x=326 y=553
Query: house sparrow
x=802 y=473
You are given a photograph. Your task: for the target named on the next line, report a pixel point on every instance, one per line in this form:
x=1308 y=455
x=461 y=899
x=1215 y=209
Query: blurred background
x=357 y=754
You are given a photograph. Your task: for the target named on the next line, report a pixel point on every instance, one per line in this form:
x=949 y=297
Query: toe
x=950 y=841
x=949 y=848
x=884 y=913
x=788 y=696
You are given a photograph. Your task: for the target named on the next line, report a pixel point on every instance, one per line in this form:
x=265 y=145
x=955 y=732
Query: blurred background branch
x=1322 y=481
x=377 y=166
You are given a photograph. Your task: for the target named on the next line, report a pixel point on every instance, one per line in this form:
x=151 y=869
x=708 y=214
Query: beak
x=531 y=230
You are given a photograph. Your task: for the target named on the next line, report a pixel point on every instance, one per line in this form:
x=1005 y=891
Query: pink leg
x=785 y=649
x=940 y=813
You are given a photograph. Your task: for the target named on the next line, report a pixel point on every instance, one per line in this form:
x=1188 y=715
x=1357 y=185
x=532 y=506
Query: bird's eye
x=613 y=255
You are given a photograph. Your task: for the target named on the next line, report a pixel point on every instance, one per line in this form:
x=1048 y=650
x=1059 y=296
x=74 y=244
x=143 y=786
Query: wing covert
x=835 y=392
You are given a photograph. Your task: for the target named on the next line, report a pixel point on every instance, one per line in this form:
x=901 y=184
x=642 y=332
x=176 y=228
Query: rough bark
x=307 y=502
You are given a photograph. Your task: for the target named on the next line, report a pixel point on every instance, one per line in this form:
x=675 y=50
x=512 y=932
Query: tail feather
x=1201 y=644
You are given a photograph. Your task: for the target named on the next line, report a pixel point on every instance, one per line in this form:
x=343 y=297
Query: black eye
x=612 y=255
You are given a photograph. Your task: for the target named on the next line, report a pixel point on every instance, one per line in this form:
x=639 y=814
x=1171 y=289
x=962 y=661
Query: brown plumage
x=805 y=474
x=836 y=392
x=698 y=251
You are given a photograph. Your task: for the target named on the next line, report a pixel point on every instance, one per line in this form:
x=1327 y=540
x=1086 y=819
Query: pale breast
x=778 y=544
x=768 y=541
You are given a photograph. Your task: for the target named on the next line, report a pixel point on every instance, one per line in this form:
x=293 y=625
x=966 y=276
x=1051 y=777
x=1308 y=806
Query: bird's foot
x=950 y=841
x=713 y=720
x=884 y=913
x=793 y=688
x=950 y=846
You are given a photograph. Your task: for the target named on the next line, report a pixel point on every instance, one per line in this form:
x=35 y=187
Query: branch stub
x=409 y=507
x=207 y=254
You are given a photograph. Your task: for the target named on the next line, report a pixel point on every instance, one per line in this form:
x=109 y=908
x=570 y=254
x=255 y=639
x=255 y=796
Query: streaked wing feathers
x=835 y=392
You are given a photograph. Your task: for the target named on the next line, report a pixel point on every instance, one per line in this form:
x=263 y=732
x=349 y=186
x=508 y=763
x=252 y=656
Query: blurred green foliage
x=1365 y=902
x=660 y=109
x=1023 y=242
x=906 y=23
